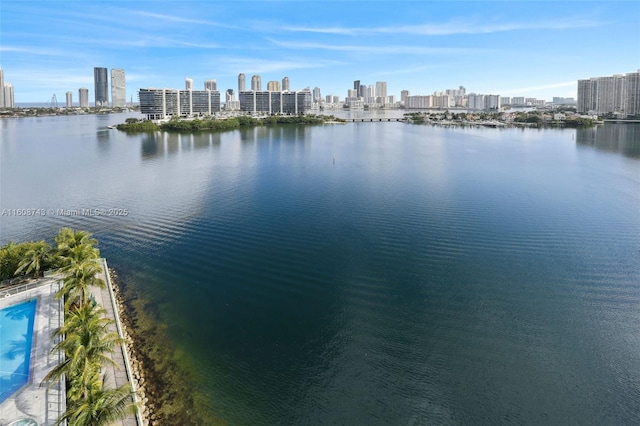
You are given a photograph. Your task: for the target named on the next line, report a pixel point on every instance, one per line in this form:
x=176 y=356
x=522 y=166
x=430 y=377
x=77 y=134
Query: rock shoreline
x=138 y=377
x=164 y=383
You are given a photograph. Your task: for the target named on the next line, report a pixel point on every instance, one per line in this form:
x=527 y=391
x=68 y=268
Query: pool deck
x=42 y=404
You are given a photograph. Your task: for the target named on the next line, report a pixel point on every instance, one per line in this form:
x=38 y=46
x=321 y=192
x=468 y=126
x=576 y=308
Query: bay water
x=363 y=273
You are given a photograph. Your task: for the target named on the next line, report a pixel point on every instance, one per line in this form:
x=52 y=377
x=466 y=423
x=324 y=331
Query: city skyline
x=533 y=49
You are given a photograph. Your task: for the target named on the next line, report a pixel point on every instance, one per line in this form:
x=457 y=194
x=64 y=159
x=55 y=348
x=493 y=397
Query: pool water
x=16 y=332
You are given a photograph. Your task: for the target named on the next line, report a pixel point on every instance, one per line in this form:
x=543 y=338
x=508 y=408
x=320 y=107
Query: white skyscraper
x=256 y=83
x=273 y=86
x=370 y=97
x=210 y=85
x=381 y=89
x=1 y=88
x=188 y=83
x=83 y=97
x=285 y=84
x=403 y=96
x=610 y=94
x=242 y=84
x=118 y=88
x=9 y=102
x=69 y=99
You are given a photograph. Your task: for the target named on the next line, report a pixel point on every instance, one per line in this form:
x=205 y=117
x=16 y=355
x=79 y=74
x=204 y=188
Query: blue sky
x=514 y=48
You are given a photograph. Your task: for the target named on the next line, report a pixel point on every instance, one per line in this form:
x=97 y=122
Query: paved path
x=115 y=376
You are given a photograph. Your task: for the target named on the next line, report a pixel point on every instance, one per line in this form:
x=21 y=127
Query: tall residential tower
x=118 y=88
x=83 y=97
x=256 y=83
x=242 y=83
x=101 y=86
x=210 y=85
x=1 y=88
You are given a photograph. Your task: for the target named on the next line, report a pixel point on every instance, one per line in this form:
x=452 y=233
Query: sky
x=511 y=48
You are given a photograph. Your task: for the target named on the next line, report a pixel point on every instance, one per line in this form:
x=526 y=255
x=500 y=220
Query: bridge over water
x=374 y=119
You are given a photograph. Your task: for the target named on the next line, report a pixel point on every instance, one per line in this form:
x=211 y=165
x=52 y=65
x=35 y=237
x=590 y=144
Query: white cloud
x=179 y=19
x=461 y=26
x=398 y=49
x=35 y=51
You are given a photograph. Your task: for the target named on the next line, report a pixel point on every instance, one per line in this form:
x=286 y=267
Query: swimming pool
x=16 y=332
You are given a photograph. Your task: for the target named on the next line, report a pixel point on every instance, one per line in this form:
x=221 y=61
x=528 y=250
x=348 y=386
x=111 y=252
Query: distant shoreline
x=23 y=112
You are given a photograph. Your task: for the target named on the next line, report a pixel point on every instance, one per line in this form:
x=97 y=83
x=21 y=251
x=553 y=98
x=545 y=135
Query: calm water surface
x=428 y=275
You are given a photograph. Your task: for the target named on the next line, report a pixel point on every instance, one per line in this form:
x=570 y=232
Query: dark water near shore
x=428 y=275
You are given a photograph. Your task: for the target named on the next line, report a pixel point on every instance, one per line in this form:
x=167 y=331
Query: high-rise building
x=316 y=95
x=1 y=88
x=475 y=102
x=231 y=103
x=9 y=101
x=256 y=83
x=83 y=97
x=285 y=84
x=275 y=102
x=492 y=102
x=356 y=87
x=164 y=103
x=418 y=102
x=610 y=94
x=188 y=83
x=118 y=88
x=442 y=100
x=370 y=97
x=403 y=96
x=210 y=85
x=273 y=86
x=381 y=91
x=101 y=87
x=69 y=99
x=632 y=94
x=242 y=84
x=362 y=92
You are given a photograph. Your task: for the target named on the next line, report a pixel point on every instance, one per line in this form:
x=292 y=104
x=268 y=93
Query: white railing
x=125 y=353
x=17 y=290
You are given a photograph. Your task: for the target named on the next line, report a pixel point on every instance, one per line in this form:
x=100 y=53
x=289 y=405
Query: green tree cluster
x=579 y=122
x=177 y=124
x=28 y=259
x=133 y=125
x=86 y=338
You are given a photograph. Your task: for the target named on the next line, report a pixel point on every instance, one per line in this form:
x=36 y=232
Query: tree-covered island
x=177 y=124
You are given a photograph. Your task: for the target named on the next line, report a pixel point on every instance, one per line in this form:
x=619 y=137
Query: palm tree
x=74 y=247
x=67 y=239
x=79 y=279
x=101 y=407
x=35 y=259
x=87 y=345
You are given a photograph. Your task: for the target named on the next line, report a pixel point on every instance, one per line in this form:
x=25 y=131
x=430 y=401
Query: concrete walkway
x=120 y=374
